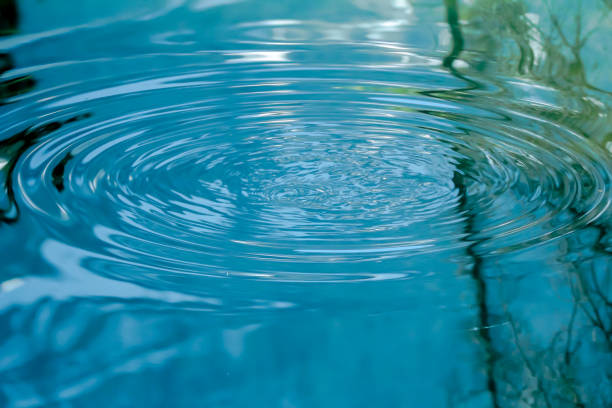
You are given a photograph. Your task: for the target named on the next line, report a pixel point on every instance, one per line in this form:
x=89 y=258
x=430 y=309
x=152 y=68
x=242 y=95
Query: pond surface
x=332 y=203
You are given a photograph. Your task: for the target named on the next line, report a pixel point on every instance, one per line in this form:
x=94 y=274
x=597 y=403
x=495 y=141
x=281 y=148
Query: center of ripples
x=301 y=175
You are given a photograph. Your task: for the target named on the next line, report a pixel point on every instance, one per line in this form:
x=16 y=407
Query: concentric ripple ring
x=296 y=172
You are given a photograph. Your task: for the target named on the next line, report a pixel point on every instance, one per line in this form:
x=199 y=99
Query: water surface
x=297 y=204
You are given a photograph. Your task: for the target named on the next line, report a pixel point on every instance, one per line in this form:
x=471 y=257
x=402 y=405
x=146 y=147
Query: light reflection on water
x=352 y=203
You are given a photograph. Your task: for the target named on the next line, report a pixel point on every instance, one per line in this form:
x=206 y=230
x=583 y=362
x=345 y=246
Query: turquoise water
x=349 y=203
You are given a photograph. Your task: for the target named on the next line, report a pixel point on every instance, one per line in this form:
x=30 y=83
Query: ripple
x=263 y=165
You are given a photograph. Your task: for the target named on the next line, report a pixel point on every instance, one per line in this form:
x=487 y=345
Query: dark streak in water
x=9 y=19
x=15 y=86
x=58 y=172
x=11 y=150
x=477 y=276
x=6 y=63
x=452 y=17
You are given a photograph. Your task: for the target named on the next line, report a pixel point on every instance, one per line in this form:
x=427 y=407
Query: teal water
x=334 y=203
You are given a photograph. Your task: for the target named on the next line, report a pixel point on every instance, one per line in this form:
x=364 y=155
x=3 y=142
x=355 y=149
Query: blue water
x=333 y=203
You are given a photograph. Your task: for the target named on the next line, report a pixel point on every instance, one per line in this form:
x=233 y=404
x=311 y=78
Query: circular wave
x=265 y=168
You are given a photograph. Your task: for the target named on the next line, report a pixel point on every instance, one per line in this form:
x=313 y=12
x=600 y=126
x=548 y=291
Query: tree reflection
x=553 y=349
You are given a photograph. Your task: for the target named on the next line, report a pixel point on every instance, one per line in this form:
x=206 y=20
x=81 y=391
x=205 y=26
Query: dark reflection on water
x=11 y=150
x=330 y=203
x=9 y=18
